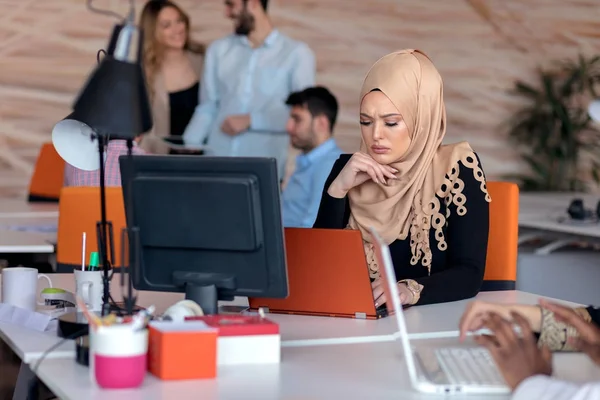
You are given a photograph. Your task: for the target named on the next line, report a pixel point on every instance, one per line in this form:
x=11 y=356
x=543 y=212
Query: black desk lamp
x=114 y=104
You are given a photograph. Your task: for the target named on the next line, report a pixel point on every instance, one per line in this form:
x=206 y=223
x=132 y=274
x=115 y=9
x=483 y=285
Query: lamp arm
x=110 y=13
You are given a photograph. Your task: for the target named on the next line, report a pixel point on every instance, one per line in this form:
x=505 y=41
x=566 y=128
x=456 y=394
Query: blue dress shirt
x=239 y=79
x=302 y=195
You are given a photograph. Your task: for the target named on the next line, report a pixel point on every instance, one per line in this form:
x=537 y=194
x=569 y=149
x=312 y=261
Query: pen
x=94 y=261
x=83 y=252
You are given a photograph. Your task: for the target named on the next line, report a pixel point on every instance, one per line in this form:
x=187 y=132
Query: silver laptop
x=441 y=370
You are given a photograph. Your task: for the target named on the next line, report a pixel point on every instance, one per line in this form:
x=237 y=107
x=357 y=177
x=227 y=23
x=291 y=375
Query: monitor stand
x=205 y=288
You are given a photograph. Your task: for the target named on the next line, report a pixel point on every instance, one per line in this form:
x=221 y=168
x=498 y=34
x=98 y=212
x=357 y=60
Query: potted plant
x=553 y=132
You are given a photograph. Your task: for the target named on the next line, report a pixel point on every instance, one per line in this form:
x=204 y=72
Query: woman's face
x=383 y=129
x=171 y=28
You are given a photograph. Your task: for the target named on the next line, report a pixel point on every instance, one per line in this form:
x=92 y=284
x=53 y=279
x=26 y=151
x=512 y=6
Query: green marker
x=94 y=261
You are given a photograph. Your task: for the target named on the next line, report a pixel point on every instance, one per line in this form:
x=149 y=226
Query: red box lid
x=239 y=325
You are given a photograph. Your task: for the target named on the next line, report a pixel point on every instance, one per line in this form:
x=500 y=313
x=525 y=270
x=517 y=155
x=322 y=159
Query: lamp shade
x=594 y=110
x=76 y=143
x=114 y=101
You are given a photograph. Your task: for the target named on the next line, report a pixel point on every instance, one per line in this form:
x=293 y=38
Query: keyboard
x=469 y=366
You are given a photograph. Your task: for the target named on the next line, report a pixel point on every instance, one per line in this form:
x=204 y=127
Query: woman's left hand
x=406 y=296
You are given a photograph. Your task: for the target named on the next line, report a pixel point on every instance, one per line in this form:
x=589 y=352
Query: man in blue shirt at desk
x=247 y=77
x=310 y=127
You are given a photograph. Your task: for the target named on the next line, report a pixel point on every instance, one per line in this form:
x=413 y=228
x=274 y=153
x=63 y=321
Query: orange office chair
x=47 y=178
x=78 y=212
x=501 y=264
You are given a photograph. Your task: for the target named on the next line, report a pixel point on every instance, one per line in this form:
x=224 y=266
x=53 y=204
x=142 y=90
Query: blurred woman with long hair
x=173 y=66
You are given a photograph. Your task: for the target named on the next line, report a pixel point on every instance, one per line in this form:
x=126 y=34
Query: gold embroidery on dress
x=555 y=335
x=371 y=260
x=451 y=191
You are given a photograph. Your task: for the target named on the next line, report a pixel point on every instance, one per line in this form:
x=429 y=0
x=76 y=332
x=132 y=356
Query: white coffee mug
x=90 y=287
x=19 y=287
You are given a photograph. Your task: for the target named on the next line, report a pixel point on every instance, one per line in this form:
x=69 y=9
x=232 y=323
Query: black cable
x=71 y=337
x=98 y=54
x=55 y=346
x=109 y=13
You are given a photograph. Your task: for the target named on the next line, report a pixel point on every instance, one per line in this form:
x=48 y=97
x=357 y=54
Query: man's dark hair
x=318 y=100
x=263 y=3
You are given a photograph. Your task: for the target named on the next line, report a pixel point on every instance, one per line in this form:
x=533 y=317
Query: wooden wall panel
x=47 y=49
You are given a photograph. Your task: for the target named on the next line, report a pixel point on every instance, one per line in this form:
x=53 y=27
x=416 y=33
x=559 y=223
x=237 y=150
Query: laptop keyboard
x=469 y=366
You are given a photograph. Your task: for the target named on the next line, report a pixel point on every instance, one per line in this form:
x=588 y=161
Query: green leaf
x=552 y=130
x=526 y=90
x=596 y=175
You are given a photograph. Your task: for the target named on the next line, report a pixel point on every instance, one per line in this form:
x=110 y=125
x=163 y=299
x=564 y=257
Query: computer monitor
x=207 y=226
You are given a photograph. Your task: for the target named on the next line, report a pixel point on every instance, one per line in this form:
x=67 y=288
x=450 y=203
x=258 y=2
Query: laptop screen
x=392 y=296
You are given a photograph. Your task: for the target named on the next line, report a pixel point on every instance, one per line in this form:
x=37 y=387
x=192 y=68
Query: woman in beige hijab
x=427 y=200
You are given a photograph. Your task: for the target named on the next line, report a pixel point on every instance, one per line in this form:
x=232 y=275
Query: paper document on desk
x=25 y=318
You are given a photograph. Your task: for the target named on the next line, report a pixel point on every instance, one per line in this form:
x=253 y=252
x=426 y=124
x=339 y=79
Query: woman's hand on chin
x=359 y=169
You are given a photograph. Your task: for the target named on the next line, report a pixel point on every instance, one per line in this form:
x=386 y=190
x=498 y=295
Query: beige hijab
x=408 y=205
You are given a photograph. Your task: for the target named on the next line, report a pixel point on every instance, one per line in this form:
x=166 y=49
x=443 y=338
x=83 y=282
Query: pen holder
x=118 y=356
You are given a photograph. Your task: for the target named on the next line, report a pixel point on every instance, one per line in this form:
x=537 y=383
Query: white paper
x=52 y=327
x=25 y=318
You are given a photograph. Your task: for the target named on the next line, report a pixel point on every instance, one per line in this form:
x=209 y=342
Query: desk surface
x=30 y=345
x=367 y=371
x=363 y=361
x=436 y=320
x=424 y=322
x=542 y=210
x=12 y=241
x=20 y=208
x=30 y=235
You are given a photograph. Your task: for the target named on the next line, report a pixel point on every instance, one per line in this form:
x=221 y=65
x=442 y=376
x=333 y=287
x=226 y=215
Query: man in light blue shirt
x=310 y=127
x=247 y=78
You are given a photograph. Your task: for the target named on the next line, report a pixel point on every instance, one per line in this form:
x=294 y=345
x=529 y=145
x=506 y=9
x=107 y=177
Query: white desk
x=18 y=235
x=30 y=345
x=26 y=242
x=297 y=330
x=362 y=363
x=29 y=222
x=20 y=208
x=540 y=212
x=312 y=364
x=423 y=322
x=358 y=371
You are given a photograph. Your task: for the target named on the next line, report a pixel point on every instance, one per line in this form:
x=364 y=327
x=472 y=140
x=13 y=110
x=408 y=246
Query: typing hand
x=516 y=355
x=473 y=318
x=406 y=295
x=236 y=124
x=589 y=334
x=359 y=169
